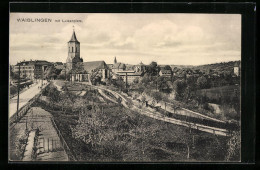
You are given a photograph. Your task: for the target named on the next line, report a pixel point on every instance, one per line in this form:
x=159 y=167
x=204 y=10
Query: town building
x=32 y=69
x=140 y=67
x=118 y=67
x=129 y=76
x=165 y=73
x=237 y=69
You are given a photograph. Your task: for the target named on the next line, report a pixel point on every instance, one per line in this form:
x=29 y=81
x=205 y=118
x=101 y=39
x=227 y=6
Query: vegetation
x=195 y=88
x=99 y=130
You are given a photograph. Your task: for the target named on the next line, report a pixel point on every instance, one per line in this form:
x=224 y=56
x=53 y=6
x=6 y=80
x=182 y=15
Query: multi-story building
x=129 y=76
x=32 y=69
x=165 y=73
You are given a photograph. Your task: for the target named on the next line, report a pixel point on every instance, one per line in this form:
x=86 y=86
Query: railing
x=23 y=110
x=63 y=142
x=212 y=130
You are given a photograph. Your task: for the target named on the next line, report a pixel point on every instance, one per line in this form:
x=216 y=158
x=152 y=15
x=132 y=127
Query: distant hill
x=218 y=67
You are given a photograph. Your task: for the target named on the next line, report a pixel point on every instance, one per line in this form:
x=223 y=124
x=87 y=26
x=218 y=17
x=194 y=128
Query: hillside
x=216 y=67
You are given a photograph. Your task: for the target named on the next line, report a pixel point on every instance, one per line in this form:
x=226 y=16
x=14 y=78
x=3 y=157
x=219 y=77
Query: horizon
x=135 y=64
x=180 y=39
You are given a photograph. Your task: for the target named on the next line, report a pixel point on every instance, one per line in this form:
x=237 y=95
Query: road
x=24 y=97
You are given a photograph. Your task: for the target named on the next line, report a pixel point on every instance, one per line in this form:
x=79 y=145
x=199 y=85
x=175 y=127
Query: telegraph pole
x=42 y=74
x=65 y=71
x=125 y=80
x=18 y=92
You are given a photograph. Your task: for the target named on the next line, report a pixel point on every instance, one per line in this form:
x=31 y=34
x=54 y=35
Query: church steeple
x=115 y=61
x=73 y=37
x=73 y=51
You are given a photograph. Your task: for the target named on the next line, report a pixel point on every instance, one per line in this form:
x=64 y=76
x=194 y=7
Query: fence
x=63 y=142
x=212 y=130
x=23 y=110
x=49 y=145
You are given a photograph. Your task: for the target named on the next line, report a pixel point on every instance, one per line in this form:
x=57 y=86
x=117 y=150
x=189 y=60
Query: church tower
x=73 y=51
x=115 y=61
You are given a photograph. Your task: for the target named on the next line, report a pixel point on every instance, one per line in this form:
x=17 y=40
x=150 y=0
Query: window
x=76 y=49
x=72 y=49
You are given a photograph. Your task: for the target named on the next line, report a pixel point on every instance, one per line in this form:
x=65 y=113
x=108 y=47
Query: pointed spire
x=73 y=37
x=115 y=61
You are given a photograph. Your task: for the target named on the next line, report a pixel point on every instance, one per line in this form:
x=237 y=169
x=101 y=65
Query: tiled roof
x=35 y=62
x=89 y=66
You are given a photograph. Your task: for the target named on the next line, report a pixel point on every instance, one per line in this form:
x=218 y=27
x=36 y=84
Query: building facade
x=32 y=69
x=129 y=76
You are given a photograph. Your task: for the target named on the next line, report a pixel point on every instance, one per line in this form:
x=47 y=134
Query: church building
x=73 y=52
x=83 y=71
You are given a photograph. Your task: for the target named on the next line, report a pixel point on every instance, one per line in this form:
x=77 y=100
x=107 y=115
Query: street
x=24 y=97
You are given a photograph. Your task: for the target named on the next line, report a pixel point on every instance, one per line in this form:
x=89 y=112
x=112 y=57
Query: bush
x=13 y=90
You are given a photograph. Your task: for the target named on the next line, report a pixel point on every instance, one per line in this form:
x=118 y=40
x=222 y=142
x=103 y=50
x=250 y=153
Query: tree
x=162 y=84
x=146 y=79
x=153 y=69
x=51 y=72
x=157 y=96
x=13 y=75
x=54 y=94
x=202 y=82
x=167 y=67
x=179 y=86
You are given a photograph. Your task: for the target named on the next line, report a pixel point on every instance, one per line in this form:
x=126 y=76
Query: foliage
x=13 y=90
x=202 y=82
x=61 y=76
x=51 y=72
x=157 y=96
x=234 y=146
x=14 y=75
x=153 y=69
x=162 y=84
x=179 y=86
x=167 y=67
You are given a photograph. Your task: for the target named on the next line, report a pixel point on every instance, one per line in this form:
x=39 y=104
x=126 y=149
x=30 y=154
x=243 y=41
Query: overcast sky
x=179 y=39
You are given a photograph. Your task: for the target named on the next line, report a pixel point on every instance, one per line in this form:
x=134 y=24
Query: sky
x=170 y=38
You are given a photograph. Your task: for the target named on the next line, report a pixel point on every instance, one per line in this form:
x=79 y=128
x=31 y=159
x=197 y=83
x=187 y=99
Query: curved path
x=156 y=115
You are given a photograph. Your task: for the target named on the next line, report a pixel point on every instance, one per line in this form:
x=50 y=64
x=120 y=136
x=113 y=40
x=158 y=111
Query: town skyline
x=165 y=38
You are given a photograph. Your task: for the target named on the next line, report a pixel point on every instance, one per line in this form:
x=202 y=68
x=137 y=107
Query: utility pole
x=125 y=80
x=65 y=71
x=42 y=74
x=18 y=92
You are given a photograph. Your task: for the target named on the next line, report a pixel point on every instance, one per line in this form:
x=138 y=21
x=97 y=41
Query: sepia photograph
x=124 y=87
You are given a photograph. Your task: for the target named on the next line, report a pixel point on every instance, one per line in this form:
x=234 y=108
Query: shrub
x=13 y=90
